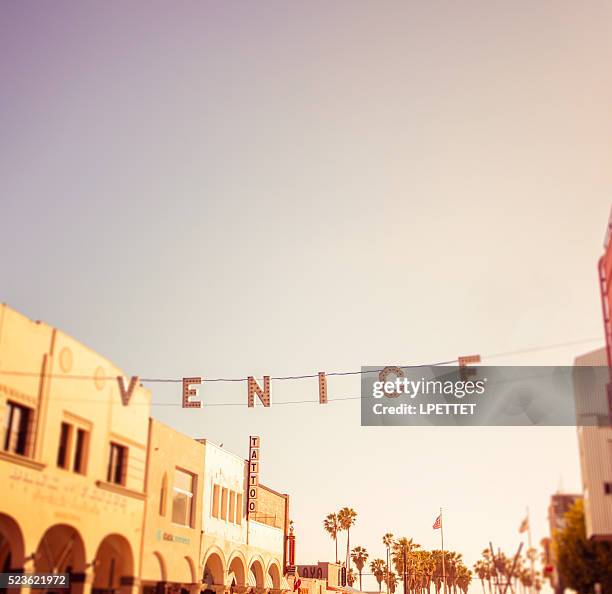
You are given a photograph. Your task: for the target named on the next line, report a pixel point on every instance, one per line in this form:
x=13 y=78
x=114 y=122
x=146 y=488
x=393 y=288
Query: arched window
x=163 y=495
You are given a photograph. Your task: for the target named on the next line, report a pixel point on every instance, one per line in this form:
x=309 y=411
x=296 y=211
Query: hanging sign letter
x=126 y=395
x=189 y=392
x=263 y=395
x=322 y=388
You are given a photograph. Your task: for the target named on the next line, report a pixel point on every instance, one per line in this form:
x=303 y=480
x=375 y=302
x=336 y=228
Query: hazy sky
x=225 y=189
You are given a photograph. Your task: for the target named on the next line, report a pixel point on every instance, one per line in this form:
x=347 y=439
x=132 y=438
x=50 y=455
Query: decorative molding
x=121 y=490
x=22 y=460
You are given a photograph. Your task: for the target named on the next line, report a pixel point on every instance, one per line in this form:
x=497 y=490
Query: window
x=16 y=428
x=232 y=507
x=70 y=457
x=64 y=445
x=80 y=451
x=608 y=488
x=215 y=502
x=182 y=497
x=239 y=508
x=224 y=504
x=117 y=464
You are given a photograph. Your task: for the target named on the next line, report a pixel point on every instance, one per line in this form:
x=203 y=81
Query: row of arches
x=238 y=572
x=61 y=550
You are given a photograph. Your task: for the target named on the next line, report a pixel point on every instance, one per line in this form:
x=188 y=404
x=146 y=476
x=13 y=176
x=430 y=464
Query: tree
x=359 y=556
x=347 y=517
x=351 y=577
x=388 y=541
x=464 y=577
x=331 y=524
x=438 y=573
x=453 y=562
x=398 y=552
x=481 y=570
x=378 y=567
x=582 y=563
x=391 y=581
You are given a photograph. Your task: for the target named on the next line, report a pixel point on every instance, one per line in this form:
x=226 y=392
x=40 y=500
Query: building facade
x=239 y=550
x=595 y=445
x=93 y=487
x=173 y=513
x=72 y=461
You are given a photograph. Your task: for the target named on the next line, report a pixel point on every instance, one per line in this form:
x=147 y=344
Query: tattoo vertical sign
x=253 y=486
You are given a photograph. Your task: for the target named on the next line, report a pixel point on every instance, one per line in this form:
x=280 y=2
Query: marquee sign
x=190 y=393
x=253 y=389
x=253 y=474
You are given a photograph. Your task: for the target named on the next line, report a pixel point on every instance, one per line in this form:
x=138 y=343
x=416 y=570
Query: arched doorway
x=275 y=575
x=113 y=566
x=237 y=571
x=214 y=572
x=256 y=576
x=12 y=549
x=61 y=550
x=157 y=576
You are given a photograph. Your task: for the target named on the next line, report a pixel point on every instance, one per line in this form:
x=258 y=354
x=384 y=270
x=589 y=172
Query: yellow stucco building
x=173 y=514
x=93 y=487
x=72 y=462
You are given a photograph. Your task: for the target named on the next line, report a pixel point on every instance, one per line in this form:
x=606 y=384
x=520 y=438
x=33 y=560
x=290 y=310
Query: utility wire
x=294 y=377
x=152 y=380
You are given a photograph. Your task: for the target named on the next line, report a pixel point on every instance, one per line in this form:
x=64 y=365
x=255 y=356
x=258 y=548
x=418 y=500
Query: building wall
x=595 y=445
x=88 y=524
x=108 y=531
x=243 y=551
x=171 y=549
x=271 y=507
x=331 y=573
x=226 y=471
x=312 y=586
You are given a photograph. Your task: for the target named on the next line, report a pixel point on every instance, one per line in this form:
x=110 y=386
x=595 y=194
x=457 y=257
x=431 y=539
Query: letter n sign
x=253 y=473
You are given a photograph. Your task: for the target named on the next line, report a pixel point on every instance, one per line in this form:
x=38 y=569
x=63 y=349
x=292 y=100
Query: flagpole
x=442 y=539
x=529 y=552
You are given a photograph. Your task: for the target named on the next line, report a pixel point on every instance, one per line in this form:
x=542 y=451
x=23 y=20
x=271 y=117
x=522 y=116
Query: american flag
x=438 y=523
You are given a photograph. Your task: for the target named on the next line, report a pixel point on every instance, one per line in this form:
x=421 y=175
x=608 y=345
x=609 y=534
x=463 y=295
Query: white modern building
x=241 y=551
x=595 y=443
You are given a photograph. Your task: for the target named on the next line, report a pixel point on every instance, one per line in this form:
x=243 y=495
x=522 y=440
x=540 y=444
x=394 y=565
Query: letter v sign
x=126 y=395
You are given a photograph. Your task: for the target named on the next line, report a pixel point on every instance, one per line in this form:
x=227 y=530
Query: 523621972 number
x=35 y=580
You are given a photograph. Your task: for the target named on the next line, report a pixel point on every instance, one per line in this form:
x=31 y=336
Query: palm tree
x=438 y=573
x=464 y=577
x=426 y=568
x=388 y=541
x=347 y=517
x=398 y=552
x=391 y=580
x=359 y=557
x=481 y=569
x=378 y=569
x=491 y=571
x=453 y=562
x=331 y=525
x=351 y=577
